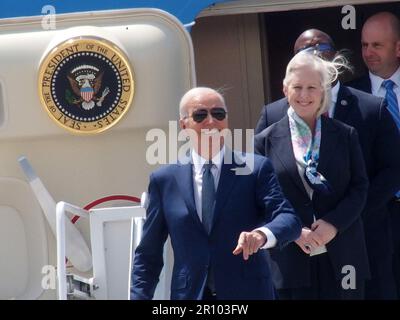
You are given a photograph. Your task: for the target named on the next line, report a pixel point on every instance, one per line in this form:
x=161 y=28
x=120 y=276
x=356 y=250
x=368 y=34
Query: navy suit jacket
x=341 y=163
x=243 y=203
x=380 y=144
x=364 y=84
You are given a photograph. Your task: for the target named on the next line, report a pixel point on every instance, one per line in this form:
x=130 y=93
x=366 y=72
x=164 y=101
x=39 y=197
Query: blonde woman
x=321 y=170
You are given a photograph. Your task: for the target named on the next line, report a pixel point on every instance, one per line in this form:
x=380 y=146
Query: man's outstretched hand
x=249 y=243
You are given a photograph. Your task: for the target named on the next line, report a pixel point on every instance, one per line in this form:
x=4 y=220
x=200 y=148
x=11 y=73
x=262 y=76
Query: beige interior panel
x=228 y=57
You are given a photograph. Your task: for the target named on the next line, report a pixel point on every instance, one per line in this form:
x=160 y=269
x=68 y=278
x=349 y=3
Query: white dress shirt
x=198 y=163
x=380 y=91
x=334 y=95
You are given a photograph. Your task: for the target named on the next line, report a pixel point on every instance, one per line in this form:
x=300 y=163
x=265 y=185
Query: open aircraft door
x=78 y=101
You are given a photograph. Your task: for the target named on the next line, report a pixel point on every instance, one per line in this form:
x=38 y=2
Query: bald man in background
x=380 y=40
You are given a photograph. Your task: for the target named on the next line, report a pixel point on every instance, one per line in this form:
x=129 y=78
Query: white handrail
x=77 y=250
x=61 y=209
x=100 y=238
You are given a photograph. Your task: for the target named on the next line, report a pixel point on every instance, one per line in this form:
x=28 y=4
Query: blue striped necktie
x=393 y=106
x=207 y=197
x=391 y=99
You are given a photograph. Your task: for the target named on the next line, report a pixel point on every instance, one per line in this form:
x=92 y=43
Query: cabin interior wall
x=228 y=57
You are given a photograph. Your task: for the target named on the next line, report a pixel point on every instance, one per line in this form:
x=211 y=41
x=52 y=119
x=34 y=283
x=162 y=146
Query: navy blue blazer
x=341 y=163
x=363 y=83
x=380 y=144
x=243 y=203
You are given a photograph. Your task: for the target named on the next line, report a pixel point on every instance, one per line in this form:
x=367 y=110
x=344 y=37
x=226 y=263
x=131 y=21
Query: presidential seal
x=86 y=84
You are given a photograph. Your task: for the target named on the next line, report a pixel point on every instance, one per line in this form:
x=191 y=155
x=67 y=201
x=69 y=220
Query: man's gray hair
x=193 y=93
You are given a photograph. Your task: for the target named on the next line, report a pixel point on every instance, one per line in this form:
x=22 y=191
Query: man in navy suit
x=381 y=54
x=214 y=214
x=380 y=144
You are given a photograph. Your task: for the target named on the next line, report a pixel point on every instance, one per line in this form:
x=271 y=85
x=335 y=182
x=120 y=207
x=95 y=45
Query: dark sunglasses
x=217 y=113
x=319 y=47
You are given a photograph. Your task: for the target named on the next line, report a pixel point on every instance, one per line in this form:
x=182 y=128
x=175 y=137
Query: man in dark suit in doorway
x=380 y=42
x=380 y=143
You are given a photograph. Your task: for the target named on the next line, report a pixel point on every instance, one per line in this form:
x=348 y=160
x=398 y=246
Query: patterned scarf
x=306 y=147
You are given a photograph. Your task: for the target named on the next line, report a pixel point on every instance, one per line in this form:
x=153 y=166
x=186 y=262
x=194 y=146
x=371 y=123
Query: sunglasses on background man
x=318 y=47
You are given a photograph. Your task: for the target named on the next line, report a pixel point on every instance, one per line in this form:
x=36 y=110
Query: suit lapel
x=343 y=104
x=282 y=148
x=329 y=140
x=184 y=180
x=226 y=182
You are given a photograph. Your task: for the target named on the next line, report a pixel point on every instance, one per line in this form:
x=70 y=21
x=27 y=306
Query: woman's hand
x=325 y=231
x=308 y=240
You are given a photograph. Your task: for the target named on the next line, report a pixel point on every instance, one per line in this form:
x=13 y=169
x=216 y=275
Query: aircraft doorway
x=246 y=54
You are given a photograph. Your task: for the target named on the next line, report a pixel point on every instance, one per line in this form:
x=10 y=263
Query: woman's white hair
x=192 y=94
x=328 y=70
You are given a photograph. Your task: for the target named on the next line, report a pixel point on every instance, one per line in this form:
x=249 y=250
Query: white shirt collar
x=199 y=161
x=334 y=95
x=335 y=91
x=376 y=81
